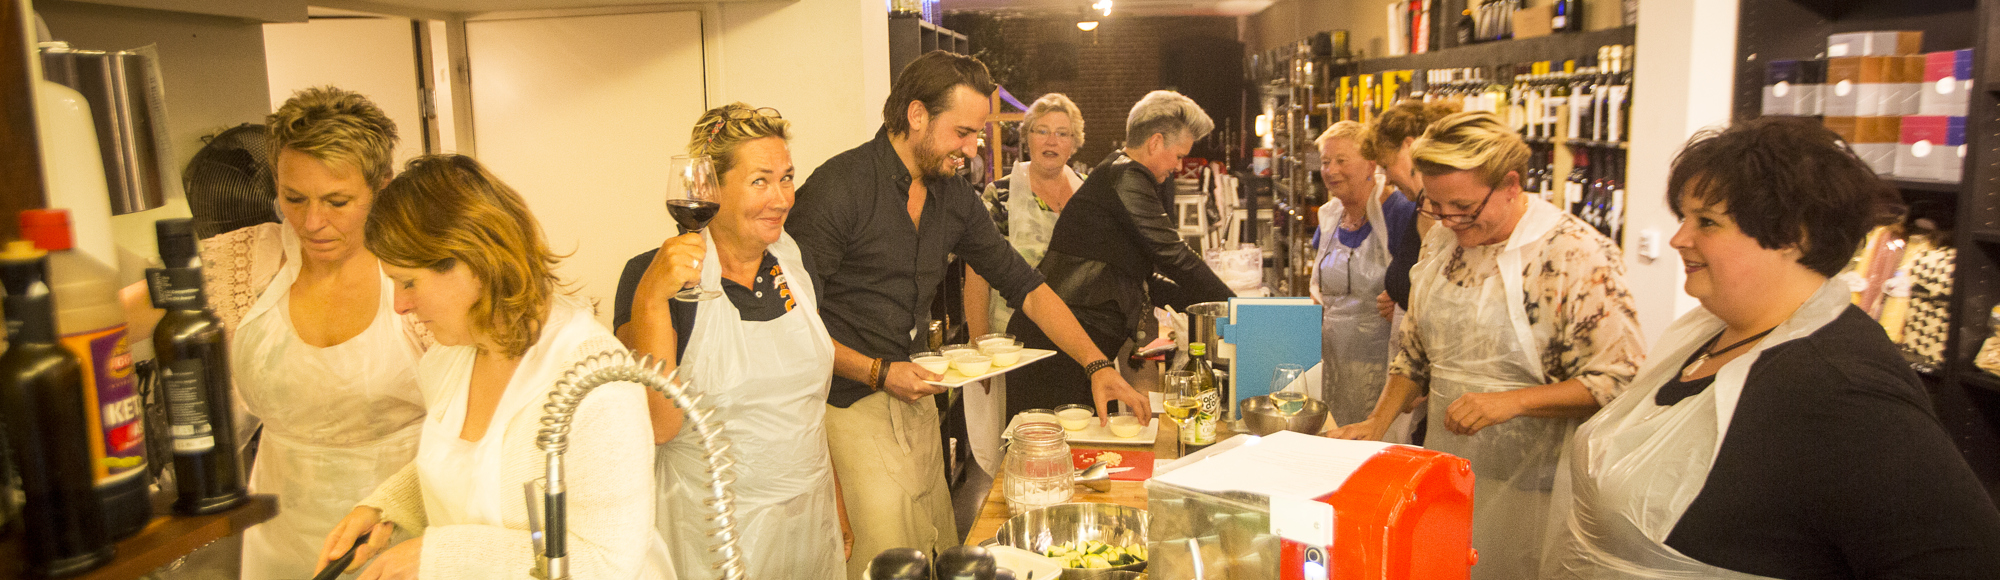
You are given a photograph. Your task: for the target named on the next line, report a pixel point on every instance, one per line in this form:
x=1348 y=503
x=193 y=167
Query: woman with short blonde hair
x=470 y=261
x=1520 y=324
x=320 y=357
x=761 y=355
x=1356 y=224
x=1051 y=132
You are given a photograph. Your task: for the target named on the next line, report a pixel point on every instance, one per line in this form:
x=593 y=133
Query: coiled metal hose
x=620 y=365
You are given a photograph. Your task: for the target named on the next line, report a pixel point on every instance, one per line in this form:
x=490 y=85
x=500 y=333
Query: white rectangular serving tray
x=1097 y=433
x=954 y=380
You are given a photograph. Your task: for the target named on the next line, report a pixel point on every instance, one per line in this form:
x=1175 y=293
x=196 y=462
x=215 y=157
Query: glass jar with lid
x=1037 y=470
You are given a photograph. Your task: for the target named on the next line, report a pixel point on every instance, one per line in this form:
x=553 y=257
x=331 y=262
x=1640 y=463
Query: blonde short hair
x=447 y=210
x=336 y=125
x=1055 y=103
x=723 y=130
x=1348 y=130
x=1474 y=141
x=1166 y=113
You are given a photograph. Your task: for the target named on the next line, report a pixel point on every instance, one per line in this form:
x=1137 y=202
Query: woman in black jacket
x=1115 y=253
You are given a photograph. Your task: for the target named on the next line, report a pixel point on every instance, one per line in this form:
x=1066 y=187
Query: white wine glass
x=1288 y=402
x=691 y=185
x=1178 y=398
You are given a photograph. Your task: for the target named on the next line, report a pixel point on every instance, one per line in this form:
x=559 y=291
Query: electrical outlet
x=1649 y=244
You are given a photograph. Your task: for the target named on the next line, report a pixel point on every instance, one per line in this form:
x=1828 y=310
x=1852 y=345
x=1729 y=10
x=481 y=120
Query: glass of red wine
x=691 y=185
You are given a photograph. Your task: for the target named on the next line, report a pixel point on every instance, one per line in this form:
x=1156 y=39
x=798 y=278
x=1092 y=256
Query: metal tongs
x=338 y=565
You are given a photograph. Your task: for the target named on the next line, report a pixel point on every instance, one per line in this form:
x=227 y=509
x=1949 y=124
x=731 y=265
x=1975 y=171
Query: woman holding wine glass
x=761 y=357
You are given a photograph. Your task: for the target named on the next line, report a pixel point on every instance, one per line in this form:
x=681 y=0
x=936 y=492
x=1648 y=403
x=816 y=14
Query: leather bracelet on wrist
x=875 y=375
x=1090 y=370
x=881 y=374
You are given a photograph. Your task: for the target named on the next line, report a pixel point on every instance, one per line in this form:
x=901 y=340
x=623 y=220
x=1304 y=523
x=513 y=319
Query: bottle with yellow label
x=91 y=324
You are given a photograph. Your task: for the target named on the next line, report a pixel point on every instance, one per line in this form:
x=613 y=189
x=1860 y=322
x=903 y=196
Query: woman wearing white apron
x=1776 y=433
x=320 y=355
x=1520 y=324
x=470 y=262
x=1353 y=258
x=760 y=356
x=1025 y=205
x=338 y=420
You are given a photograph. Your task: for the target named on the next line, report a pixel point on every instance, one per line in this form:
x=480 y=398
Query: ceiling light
x=1087 y=25
x=1104 y=5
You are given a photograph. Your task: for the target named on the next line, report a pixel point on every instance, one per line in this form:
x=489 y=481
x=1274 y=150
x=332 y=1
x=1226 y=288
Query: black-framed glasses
x=715 y=127
x=1423 y=207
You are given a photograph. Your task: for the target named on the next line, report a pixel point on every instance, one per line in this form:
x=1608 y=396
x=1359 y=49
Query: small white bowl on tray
x=952 y=378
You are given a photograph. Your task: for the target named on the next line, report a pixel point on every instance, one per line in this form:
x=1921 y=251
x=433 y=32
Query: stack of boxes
x=1903 y=112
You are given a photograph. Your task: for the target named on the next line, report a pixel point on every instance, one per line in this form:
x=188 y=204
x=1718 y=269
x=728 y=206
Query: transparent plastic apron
x=767 y=383
x=1636 y=466
x=1354 y=338
x=1478 y=341
x=337 y=420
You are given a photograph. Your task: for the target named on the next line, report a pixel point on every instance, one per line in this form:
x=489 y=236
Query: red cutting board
x=1141 y=462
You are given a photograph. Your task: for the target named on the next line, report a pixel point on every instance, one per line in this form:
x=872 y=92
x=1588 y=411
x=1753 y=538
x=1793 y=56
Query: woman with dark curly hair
x=1775 y=432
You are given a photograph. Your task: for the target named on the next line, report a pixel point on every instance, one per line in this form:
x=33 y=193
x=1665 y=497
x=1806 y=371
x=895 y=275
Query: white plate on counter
x=1097 y=433
x=954 y=380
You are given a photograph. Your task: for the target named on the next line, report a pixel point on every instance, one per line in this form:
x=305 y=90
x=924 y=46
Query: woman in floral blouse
x=1051 y=132
x=1521 y=325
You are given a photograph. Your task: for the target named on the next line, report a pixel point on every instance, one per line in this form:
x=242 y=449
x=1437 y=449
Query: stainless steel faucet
x=546 y=506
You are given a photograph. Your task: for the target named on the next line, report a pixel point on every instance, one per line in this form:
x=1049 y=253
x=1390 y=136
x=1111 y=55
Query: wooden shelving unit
x=1967 y=399
x=911 y=37
x=166 y=539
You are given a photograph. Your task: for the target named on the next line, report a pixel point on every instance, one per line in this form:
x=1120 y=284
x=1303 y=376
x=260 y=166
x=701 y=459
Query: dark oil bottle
x=42 y=406
x=193 y=359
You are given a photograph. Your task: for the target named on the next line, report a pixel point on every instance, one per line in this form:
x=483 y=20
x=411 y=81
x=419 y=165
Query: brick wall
x=1108 y=70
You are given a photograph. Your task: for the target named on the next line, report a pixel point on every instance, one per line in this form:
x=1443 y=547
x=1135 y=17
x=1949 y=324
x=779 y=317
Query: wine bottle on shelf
x=46 y=426
x=1465 y=31
x=1573 y=187
x=1568 y=16
x=1581 y=99
x=1605 y=69
x=91 y=324
x=193 y=359
x=1617 y=221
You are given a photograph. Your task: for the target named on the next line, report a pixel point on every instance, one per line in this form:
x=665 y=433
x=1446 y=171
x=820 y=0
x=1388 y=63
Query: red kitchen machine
x=1292 y=506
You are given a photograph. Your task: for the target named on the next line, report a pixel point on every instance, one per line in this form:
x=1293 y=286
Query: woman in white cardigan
x=469 y=261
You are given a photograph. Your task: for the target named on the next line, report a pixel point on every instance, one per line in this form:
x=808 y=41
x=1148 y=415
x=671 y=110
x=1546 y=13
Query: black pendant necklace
x=1687 y=373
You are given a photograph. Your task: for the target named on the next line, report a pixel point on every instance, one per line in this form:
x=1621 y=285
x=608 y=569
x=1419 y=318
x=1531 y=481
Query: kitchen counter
x=993 y=512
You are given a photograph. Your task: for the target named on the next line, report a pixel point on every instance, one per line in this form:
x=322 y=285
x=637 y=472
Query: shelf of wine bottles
x=1575 y=115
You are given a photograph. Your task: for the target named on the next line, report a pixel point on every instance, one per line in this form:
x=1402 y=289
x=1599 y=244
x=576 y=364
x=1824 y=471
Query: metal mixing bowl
x=1036 y=530
x=1263 y=418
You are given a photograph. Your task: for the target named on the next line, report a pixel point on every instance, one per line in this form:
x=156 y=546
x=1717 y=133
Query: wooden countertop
x=164 y=540
x=993 y=512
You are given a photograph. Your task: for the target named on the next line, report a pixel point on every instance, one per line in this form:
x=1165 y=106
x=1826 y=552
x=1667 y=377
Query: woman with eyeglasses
x=1520 y=326
x=760 y=356
x=1024 y=205
x=1355 y=227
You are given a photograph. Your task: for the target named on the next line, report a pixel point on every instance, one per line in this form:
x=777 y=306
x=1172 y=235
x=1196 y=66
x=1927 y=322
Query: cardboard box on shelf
x=1792 y=87
x=1946 y=88
x=1875 y=140
x=1909 y=79
x=1875 y=43
x=1858 y=86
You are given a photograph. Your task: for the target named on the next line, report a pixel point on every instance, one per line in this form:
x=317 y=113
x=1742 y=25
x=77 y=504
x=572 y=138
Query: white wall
x=212 y=68
x=1686 y=67
x=376 y=57
x=824 y=64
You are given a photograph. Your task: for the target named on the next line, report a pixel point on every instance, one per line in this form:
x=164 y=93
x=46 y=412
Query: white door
x=376 y=57
x=580 y=114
